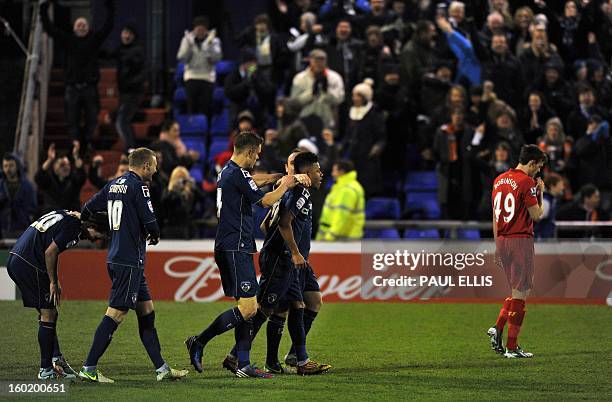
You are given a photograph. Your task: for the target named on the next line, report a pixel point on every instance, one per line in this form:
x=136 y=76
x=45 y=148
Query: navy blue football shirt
x=297 y=201
x=130 y=218
x=56 y=226
x=236 y=194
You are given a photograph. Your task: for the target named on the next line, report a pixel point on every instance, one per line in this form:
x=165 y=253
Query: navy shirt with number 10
x=130 y=218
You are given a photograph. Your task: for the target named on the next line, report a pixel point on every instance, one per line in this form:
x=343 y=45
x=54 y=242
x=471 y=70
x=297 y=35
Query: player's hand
x=299 y=261
x=55 y=292
x=540 y=184
x=51 y=152
x=152 y=240
x=288 y=181
x=303 y=179
x=75 y=214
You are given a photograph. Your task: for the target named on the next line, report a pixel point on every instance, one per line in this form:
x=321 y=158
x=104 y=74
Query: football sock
x=309 y=317
x=57 y=353
x=224 y=322
x=258 y=321
x=46 y=333
x=149 y=338
x=515 y=320
x=298 y=334
x=102 y=338
x=274 y=333
x=244 y=336
x=503 y=314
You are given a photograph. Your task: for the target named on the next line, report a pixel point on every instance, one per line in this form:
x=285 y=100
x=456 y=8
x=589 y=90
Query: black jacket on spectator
x=361 y=136
x=81 y=64
x=17 y=204
x=532 y=66
x=532 y=134
x=576 y=212
x=594 y=157
x=255 y=94
x=343 y=57
x=179 y=211
x=131 y=68
x=505 y=73
x=169 y=156
x=577 y=122
x=281 y=57
x=559 y=96
x=58 y=194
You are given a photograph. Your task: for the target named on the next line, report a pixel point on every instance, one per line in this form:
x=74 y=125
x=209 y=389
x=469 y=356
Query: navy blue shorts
x=33 y=283
x=280 y=280
x=129 y=287
x=308 y=280
x=237 y=271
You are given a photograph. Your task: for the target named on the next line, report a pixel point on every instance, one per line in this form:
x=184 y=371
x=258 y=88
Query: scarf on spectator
x=453 y=154
x=358 y=112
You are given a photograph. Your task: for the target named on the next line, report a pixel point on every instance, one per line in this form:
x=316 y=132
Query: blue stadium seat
x=217 y=146
x=381 y=234
x=421 y=234
x=421 y=181
x=197 y=144
x=196 y=172
x=179 y=101
x=220 y=125
x=425 y=202
x=195 y=124
x=382 y=208
x=468 y=234
x=219 y=99
x=178 y=74
x=223 y=68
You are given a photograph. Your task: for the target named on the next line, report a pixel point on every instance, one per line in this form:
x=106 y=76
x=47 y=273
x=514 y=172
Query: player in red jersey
x=517 y=203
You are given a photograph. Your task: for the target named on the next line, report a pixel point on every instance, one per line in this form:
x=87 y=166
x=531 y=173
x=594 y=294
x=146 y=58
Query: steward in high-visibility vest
x=343 y=214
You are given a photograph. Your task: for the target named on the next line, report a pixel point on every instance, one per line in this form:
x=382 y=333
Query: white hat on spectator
x=308 y=145
x=365 y=89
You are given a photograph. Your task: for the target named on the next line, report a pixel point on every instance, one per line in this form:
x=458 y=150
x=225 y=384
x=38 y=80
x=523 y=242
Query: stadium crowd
x=381 y=90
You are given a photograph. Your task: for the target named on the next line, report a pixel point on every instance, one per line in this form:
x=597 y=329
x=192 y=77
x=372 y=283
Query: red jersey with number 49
x=513 y=193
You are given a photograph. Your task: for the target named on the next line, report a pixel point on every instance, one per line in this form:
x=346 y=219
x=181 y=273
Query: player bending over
x=32 y=265
x=517 y=202
x=282 y=260
x=132 y=222
x=234 y=248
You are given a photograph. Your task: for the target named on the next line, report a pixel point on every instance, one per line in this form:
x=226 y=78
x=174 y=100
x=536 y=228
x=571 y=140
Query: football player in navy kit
x=237 y=191
x=32 y=265
x=132 y=222
x=282 y=260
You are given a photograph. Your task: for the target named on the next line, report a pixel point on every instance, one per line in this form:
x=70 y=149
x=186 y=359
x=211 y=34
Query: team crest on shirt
x=534 y=191
x=253 y=185
x=134 y=297
x=245 y=286
x=272 y=298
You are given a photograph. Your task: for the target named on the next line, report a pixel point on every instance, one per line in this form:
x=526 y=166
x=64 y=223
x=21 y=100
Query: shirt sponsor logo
x=150 y=205
x=300 y=203
x=253 y=185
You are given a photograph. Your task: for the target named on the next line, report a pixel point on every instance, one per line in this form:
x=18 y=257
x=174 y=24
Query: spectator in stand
x=131 y=77
x=200 y=50
x=318 y=90
x=545 y=227
x=308 y=36
x=505 y=129
x=270 y=48
x=380 y=17
x=504 y=70
x=536 y=54
x=179 y=203
x=376 y=55
x=492 y=164
x=95 y=171
x=173 y=150
x=600 y=82
x=249 y=88
x=435 y=88
x=332 y=11
x=417 y=57
x=556 y=90
x=557 y=146
x=365 y=138
x=81 y=71
x=578 y=119
x=286 y=14
x=586 y=208
x=534 y=116
x=17 y=198
x=449 y=148
x=594 y=156
x=344 y=53
x=280 y=142
x=503 y=8
x=523 y=18
x=59 y=181
x=468 y=65
x=343 y=214
x=495 y=24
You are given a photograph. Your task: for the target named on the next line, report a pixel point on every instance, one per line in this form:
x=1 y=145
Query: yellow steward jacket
x=343 y=214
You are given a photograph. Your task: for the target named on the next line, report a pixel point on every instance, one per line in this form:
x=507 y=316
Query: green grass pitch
x=380 y=352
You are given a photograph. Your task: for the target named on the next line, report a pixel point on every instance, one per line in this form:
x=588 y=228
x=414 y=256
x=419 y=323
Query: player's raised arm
x=270 y=198
x=263 y=179
x=536 y=212
x=97 y=203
